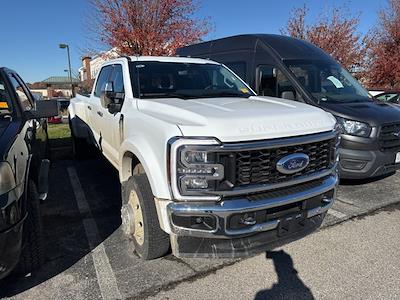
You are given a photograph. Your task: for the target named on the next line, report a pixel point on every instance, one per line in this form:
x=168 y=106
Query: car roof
x=285 y=47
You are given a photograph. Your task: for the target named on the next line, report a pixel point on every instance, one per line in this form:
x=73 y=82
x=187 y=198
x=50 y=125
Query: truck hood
x=239 y=119
x=372 y=112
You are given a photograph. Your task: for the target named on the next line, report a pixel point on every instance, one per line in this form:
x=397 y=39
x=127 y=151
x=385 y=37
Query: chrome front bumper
x=223 y=210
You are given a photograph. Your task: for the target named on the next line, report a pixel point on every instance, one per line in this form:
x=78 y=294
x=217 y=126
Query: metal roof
x=60 y=80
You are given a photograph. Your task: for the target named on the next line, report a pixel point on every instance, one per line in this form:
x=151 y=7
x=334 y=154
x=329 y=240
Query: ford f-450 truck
x=207 y=167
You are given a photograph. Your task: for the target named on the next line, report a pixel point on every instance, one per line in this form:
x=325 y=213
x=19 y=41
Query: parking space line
x=104 y=272
x=336 y=213
x=345 y=201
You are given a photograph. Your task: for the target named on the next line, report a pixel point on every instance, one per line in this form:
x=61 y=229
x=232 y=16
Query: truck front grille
x=259 y=166
x=389 y=136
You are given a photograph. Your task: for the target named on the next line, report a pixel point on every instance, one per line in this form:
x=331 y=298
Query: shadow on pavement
x=66 y=241
x=289 y=285
x=356 y=182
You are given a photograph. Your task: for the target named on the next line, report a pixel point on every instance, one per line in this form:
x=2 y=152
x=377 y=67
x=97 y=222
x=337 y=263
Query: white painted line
x=104 y=272
x=336 y=213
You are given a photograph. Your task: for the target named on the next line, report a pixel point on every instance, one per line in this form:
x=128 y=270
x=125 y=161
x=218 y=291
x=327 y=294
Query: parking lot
x=87 y=255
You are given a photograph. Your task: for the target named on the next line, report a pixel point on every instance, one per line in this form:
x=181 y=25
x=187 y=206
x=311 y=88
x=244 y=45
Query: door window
x=5 y=99
x=102 y=79
x=272 y=82
x=22 y=94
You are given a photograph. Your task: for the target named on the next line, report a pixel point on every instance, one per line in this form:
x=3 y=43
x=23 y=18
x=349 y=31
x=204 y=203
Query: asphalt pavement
x=358 y=259
x=88 y=257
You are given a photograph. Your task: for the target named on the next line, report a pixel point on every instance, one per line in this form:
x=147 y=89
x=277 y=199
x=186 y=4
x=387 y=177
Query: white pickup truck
x=207 y=167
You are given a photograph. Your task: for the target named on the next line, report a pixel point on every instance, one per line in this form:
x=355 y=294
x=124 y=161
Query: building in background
x=52 y=87
x=91 y=64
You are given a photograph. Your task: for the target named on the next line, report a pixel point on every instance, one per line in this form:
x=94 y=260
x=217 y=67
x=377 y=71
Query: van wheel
x=32 y=254
x=140 y=220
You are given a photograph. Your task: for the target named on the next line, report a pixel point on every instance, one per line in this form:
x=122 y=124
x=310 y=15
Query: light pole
x=63 y=46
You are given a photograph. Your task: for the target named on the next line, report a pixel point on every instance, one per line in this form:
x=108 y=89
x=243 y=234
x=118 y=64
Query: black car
x=389 y=96
x=23 y=173
x=285 y=67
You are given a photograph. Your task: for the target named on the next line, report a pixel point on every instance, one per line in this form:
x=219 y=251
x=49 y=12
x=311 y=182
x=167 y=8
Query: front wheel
x=140 y=220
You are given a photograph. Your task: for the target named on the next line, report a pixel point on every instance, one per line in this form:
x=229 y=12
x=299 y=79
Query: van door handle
x=89 y=107
x=100 y=113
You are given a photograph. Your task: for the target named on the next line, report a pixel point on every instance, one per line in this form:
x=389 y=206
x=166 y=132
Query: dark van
x=285 y=67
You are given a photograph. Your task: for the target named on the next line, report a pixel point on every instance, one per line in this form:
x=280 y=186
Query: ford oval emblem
x=292 y=163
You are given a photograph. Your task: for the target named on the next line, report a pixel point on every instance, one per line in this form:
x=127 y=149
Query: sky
x=33 y=29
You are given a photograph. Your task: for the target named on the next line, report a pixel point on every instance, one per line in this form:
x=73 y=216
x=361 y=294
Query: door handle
x=89 y=107
x=100 y=113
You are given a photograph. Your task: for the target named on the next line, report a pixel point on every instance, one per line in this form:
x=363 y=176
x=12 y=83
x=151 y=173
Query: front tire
x=140 y=220
x=32 y=254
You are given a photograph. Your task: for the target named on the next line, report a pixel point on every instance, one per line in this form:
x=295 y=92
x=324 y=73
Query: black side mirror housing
x=44 y=109
x=110 y=99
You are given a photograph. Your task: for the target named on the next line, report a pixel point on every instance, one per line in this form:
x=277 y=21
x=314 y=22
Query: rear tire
x=140 y=220
x=32 y=253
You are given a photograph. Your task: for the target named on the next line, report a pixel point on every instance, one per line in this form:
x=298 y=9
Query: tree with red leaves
x=335 y=33
x=383 y=69
x=147 y=27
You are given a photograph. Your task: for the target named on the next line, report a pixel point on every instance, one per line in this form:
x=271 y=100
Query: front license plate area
x=291 y=224
x=397 y=160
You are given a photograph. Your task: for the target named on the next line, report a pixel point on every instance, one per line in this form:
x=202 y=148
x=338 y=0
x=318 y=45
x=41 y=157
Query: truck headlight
x=195 y=171
x=7 y=180
x=355 y=128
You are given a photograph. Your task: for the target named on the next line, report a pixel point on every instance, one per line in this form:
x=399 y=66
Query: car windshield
x=5 y=100
x=153 y=79
x=389 y=97
x=328 y=82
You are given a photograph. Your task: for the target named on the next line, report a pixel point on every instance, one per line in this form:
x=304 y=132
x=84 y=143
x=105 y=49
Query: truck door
x=94 y=112
x=109 y=125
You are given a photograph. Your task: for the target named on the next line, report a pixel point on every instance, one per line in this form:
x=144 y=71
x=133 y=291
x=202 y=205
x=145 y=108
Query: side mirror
x=288 y=95
x=44 y=109
x=110 y=99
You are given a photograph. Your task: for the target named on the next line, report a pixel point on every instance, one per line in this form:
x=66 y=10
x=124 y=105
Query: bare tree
x=335 y=33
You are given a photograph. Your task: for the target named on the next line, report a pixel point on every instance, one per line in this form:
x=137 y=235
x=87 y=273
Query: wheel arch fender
x=138 y=150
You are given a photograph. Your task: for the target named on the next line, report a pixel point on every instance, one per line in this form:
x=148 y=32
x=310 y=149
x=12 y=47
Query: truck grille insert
x=389 y=136
x=259 y=166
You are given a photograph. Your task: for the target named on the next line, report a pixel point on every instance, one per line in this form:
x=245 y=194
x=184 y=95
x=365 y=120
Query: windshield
x=389 y=97
x=5 y=99
x=328 y=82
x=153 y=79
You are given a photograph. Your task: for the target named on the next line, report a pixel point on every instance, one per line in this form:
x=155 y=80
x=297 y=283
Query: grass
x=59 y=136
x=59 y=131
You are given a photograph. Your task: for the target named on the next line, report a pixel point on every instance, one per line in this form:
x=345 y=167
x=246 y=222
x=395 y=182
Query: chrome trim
x=281 y=164
x=174 y=179
x=214 y=145
x=224 y=209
